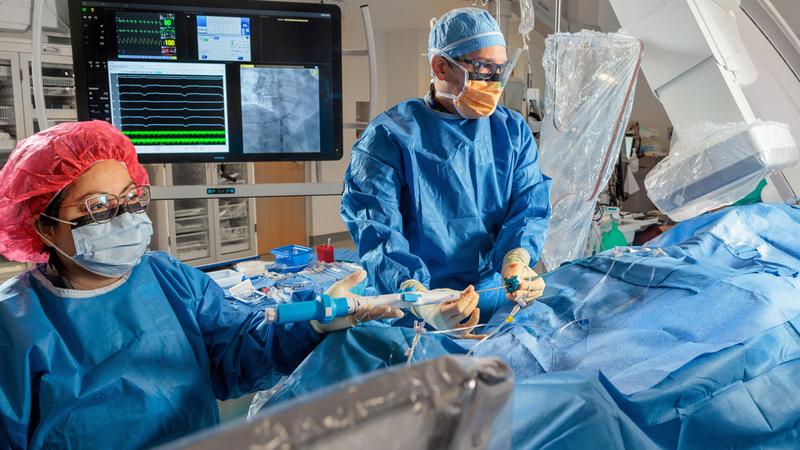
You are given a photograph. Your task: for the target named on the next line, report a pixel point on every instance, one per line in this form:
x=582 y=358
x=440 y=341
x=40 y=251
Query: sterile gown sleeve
x=528 y=214
x=245 y=353
x=371 y=210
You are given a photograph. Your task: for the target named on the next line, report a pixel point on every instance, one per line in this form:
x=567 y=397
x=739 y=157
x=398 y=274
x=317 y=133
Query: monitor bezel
x=81 y=87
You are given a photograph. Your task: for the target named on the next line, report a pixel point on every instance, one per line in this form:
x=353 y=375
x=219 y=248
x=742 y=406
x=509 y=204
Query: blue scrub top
x=441 y=199
x=138 y=363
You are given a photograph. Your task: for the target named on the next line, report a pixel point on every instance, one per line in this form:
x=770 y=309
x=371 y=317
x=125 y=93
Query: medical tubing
x=506 y=326
x=598 y=288
x=561 y=267
x=503 y=327
x=419 y=329
x=594 y=317
x=623 y=307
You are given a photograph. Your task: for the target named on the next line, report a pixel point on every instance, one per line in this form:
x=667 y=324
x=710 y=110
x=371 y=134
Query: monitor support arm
x=706 y=72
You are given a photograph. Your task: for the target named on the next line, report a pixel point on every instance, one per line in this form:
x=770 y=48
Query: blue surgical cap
x=465 y=30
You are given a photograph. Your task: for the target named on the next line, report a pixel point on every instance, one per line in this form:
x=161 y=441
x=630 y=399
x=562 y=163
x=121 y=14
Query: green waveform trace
x=198 y=140
x=140 y=31
x=139 y=41
x=174 y=133
x=139 y=21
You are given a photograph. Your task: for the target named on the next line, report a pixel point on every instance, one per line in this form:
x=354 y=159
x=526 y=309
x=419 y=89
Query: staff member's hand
x=516 y=263
x=449 y=315
x=343 y=289
x=453 y=313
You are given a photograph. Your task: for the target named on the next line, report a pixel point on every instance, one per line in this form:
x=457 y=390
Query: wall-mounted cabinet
x=11 y=113
x=204 y=231
x=58 y=81
x=17 y=108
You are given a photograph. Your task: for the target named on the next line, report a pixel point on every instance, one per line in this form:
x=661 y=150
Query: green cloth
x=753 y=197
x=613 y=238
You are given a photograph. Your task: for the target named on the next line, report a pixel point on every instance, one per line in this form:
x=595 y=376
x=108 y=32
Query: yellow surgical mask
x=479 y=99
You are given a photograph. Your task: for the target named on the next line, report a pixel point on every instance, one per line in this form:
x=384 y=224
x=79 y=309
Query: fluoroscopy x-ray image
x=280 y=109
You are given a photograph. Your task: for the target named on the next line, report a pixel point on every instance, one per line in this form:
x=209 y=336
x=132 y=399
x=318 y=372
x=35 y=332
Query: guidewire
x=563 y=266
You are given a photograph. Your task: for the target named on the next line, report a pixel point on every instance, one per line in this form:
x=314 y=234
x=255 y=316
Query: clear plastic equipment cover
x=714 y=165
x=591 y=79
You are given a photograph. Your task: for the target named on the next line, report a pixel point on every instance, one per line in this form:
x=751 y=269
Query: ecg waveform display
x=172 y=109
x=146 y=35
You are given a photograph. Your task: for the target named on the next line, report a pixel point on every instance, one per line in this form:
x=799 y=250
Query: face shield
x=478 y=85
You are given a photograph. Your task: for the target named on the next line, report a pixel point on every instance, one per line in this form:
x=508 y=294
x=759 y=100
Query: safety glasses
x=101 y=208
x=484 y=70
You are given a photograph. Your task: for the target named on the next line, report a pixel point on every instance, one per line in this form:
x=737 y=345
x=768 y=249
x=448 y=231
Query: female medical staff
x=446 y=191
x=102 y=344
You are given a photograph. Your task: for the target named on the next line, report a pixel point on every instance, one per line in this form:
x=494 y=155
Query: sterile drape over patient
x=689 y=342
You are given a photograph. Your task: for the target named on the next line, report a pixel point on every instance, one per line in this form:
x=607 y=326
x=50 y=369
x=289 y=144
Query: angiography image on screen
x=280 y=109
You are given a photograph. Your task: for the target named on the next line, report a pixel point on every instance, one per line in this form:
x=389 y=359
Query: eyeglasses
x=484 y=70
x=104 y=207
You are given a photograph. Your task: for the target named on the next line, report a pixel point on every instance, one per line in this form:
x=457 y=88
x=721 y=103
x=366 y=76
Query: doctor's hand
x=343 y=289
x=462 y=313
x=517 y=264
x=528 y=290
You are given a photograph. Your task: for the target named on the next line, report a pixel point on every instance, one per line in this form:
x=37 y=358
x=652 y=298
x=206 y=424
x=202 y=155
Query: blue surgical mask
x=111 y=249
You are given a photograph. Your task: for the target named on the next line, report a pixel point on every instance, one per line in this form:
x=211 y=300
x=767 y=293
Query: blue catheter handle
x=327 y=308
x=323 y=310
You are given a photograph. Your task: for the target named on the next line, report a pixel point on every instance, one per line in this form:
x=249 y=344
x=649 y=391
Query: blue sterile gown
x=138 y=363
x=441 y=199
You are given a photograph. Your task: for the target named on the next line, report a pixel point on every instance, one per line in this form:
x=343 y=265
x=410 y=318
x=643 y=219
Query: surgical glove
x=343 y=288
x=449 y=315
x=517 y=263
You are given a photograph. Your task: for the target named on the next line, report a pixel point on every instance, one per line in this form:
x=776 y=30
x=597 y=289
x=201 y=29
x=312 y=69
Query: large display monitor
x=203 y=81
